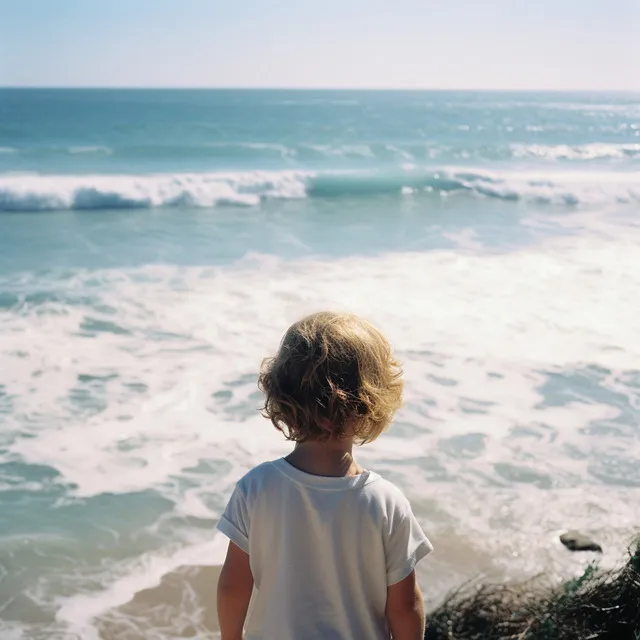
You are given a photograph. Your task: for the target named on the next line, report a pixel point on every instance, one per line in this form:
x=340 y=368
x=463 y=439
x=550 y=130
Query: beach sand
x=183 y=605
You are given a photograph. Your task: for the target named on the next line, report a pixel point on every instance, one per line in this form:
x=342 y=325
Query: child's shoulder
x=260 y=476
x=387 y=491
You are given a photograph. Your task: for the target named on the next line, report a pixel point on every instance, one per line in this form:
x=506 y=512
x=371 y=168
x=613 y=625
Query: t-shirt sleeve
x=235 y=521
x=405 y=543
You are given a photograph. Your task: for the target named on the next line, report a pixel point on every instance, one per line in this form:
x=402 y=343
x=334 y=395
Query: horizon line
x=319 y=88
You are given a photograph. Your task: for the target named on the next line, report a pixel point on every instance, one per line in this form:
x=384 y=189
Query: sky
x=438 y=44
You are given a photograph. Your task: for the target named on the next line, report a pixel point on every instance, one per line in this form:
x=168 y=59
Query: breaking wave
x=51 y=193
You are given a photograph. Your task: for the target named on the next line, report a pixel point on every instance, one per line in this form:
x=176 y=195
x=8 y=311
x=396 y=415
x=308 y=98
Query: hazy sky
x=505 y=44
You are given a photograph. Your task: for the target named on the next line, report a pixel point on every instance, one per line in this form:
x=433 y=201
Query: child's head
x=333 y=377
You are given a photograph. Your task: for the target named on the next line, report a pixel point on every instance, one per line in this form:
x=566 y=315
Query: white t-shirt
x=322 y=551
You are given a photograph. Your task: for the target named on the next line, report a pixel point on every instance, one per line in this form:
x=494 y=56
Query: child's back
x=330 y=548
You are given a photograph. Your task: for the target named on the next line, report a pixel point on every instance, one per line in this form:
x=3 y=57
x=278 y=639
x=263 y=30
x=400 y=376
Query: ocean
x=154 y=245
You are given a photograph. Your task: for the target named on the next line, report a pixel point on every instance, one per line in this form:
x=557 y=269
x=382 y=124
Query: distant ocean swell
x=422 y=150
x=568 y=188
x=592 y=151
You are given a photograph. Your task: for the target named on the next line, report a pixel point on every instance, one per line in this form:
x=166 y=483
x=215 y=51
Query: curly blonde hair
x=334 y=376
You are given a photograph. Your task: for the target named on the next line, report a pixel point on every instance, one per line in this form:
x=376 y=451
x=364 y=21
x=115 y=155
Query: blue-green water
x=155 y=244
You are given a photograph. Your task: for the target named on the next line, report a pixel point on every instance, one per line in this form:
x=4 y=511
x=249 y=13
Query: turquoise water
x=155 y=244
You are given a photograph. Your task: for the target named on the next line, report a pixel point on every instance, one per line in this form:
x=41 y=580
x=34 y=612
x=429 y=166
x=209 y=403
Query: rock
x=575 y=541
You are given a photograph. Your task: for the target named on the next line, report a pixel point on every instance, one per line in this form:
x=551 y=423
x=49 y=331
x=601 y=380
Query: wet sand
x=183 y=605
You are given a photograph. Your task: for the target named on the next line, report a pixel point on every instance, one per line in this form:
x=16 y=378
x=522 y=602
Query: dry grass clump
x=599 y=605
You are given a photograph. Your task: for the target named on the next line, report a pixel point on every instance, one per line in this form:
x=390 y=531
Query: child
x=330 y=547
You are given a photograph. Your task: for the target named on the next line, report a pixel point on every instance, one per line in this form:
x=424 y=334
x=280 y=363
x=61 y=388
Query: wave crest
x=50 y=193
x=593 y=151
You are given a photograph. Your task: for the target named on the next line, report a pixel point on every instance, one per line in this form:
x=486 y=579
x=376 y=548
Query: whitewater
x=155 y=244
